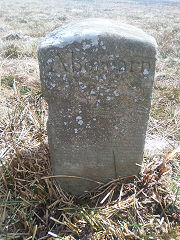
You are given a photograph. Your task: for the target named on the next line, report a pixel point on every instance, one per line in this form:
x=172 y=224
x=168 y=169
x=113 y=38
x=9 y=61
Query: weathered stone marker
x=97 y=78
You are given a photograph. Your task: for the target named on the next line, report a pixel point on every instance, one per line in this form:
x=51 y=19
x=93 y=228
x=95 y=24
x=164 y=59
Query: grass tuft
x=8 y=80
x=11 y=51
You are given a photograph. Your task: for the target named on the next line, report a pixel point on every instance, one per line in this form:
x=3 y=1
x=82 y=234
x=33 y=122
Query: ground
x=24 y=23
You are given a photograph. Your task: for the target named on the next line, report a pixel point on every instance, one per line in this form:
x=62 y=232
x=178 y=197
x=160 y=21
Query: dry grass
x=140 y=207
x=31 y=203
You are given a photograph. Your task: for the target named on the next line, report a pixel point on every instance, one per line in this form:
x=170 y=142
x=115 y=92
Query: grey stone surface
x=97 y=77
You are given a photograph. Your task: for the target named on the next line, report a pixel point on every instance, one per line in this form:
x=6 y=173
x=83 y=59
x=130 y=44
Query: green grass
x=25 y=90
x=12 y=51
x=8 y=80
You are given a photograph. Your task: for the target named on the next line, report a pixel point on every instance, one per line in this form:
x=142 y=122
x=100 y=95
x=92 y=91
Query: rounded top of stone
x=91 y=29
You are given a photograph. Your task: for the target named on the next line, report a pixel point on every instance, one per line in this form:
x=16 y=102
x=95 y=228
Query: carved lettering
x=77 y=67
x=135 y=66
x=71 y=64
x=145 y=66
x=62 y=63
x=122 y=66
x=92 y=66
